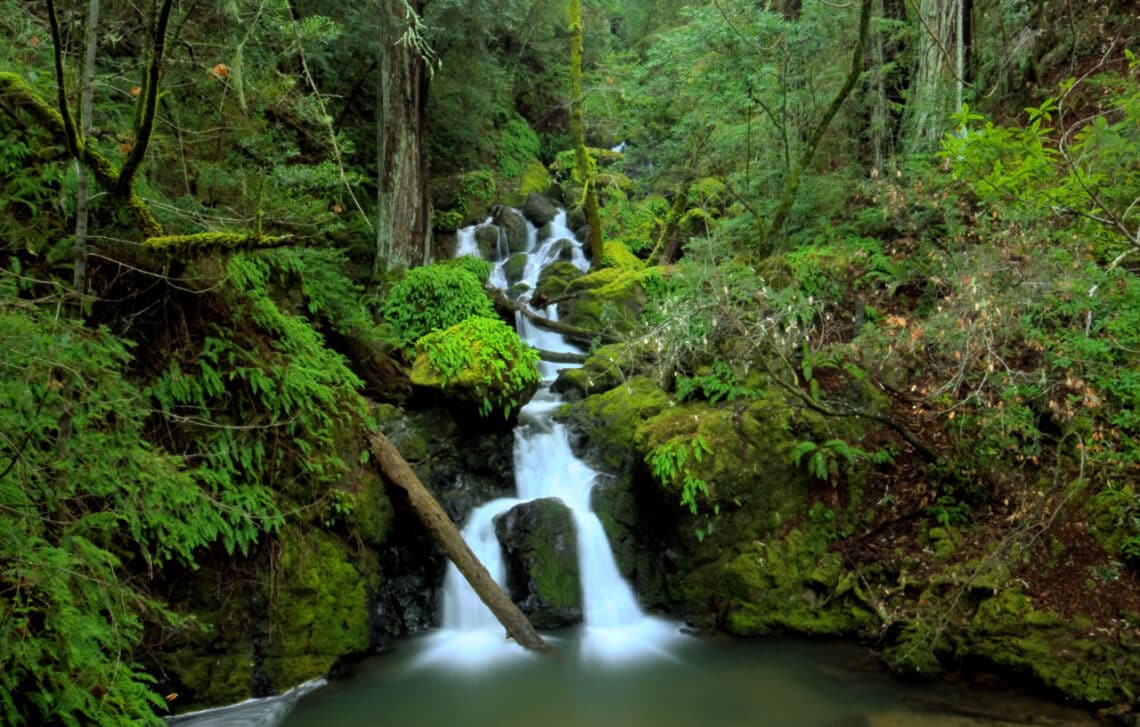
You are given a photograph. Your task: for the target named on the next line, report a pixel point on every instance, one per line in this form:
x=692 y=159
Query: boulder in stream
x=487 y=238
x=514 y=225
x=540 y=546
x=539 y=209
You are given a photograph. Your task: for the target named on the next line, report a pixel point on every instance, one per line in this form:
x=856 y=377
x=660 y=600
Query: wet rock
x=539 y=542
x=539 y=209
x=515 y=267
x=555 y=279
x=514 y=225
x=487 y=238
x=564 y=249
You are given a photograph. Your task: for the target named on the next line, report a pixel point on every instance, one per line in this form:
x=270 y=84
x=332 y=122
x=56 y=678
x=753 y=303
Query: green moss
x=211 y=678
x=617 y=255
x=536 y=178
x=480 y=360
x=610 y=299
x=1061 y=653
x=602 y=371
x=610 y=420
x=462 y=199
x=788 y=584
x=319 y=610
x=555 y=279
x=209 y=243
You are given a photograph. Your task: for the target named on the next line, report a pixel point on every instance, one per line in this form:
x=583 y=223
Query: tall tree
x=938 y=83
x=583 y=164
x=402 y=226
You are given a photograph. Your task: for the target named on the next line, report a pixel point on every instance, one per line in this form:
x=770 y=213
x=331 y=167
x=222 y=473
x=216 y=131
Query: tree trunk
x=402 y=233
x=583 y=164
x=940 y=63
x=444 y=532
x=82 y=183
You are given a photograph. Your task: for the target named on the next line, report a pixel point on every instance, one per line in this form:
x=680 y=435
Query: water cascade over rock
x=550 y=520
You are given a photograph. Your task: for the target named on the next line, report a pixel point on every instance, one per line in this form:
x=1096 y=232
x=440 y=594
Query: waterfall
x=615 y=629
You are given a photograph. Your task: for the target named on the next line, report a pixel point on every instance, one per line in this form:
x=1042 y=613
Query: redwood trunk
x=402 y=232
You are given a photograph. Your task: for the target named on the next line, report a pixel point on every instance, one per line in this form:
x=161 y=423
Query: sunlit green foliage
x=486 y=355
x=87 y=501
x=432 y=298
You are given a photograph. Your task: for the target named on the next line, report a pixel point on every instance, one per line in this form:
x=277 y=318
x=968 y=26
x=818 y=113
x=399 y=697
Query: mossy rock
x=211 y=679
x=515 y=267
x=610 y=299
x=617 y=255
x=513 y=225
x=1059 y=652
x=603 y=370
x=461 y=199
x=539 y=210
x=319 y=611
x=555 y=279
x=789 y=584
x=487 y=240
x=610 y=420
x=480 y=361
x=540 y=546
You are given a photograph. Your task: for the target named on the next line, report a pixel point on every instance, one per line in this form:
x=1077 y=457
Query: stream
x=621 y=666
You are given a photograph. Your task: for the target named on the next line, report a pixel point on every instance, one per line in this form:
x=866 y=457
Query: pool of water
x=701 y=682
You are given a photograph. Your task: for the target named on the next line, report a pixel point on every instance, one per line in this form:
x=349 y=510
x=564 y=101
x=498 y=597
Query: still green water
x=770 y=683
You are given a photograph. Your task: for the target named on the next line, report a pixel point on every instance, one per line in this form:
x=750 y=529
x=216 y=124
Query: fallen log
x=560 y=356
x=581 y=335
x=444 y=532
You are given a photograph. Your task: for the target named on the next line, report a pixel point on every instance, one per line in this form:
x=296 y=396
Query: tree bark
x=447 y=535
x=82 y=183
x=583 y=164
x=402 y=202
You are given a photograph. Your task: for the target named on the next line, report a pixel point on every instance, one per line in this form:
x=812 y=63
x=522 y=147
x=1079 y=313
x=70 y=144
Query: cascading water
x=615 y=628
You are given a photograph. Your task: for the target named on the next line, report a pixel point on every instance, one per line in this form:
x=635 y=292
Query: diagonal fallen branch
x=444 y=532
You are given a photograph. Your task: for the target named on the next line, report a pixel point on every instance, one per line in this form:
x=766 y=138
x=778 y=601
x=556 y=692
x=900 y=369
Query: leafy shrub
x=477 y=266
x=432 y=298
x=83 y=494
x=486 y=356
x=518 y=147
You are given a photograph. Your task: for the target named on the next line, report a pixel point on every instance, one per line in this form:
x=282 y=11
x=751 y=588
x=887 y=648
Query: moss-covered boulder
x=515 y=267
x=514 y=227
x=616 y=255
x=610 y=299
x=539 y=210
x=319 y=608
x=461 y=199
x=555 y=279
x=785 y=584
x=1064 y=653
x=540 y=545
x=609 y=421
x=603 y=370
x=481 y=361
x=487 y=238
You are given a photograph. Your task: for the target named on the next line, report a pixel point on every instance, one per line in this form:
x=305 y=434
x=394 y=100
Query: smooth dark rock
x=539 y=209
x=487 y=238
x=540 y=546
x=514 y=225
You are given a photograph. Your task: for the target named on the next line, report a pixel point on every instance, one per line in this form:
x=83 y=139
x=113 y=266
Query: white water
x=615 y=628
